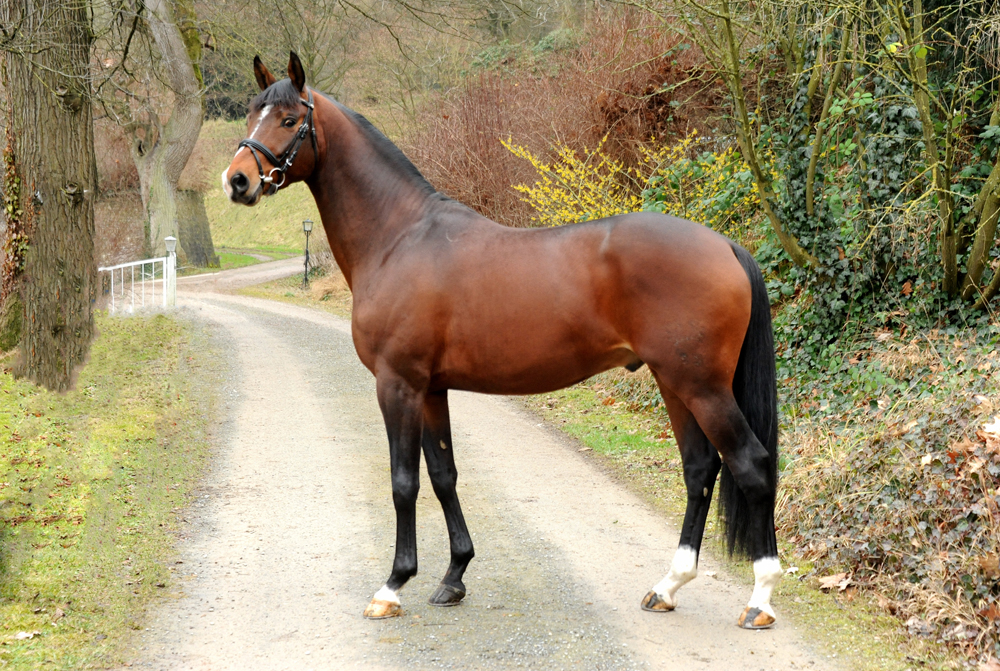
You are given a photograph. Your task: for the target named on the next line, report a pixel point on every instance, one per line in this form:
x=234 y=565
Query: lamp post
x=170 y=272
x=307 y=226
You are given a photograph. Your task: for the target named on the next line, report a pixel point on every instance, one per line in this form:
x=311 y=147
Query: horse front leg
x=440 y=459
x=402 y=410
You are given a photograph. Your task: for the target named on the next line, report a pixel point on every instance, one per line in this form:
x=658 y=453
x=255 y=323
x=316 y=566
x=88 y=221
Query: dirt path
x=229 y=280
x=294 y=533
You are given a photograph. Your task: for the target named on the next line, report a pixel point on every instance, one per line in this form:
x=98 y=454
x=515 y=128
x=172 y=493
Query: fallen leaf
x=58 y=615
x=791 y=570
x=610 y=400
x=838 y=580
x=849 y=593
x=964 y=445
x=993 y=428
x=991 y=665
x=926 y=459
x=886 y=603
x=710 y=574
x=584 y=449
x=990 y=565
x=24 y=635
x=991 y=612
x=907 y=288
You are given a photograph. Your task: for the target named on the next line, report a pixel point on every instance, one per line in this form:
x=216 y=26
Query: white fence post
x=170 y=271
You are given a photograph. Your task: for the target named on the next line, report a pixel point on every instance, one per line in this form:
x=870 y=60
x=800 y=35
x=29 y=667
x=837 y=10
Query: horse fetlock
x=683 y=570
x=767 y=574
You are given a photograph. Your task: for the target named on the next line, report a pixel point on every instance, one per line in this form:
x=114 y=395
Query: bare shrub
x=115 y=168
x=118 y=213
x=118 y=228
x=629 y=80
x=332 y=284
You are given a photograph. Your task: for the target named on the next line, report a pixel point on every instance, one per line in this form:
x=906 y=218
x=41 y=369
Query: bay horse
x=444 y=298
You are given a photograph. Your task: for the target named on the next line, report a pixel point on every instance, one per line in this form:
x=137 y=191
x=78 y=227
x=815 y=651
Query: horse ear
x=295 y=71
x=263 y=75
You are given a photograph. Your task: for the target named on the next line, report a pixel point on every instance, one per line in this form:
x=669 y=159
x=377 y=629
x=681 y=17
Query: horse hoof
x=654 y=604
x=380 y=610
x=755 y=618
x=446 y=595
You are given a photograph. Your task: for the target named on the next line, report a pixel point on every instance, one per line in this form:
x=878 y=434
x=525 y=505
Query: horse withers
x=447 y=299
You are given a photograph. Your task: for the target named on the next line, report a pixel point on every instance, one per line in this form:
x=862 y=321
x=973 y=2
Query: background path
x=294 y=531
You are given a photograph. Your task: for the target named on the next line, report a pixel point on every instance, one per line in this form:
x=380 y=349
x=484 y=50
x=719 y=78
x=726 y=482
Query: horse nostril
x=240 y=183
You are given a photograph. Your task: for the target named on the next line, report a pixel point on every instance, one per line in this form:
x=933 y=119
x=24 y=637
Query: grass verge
x=91 y=483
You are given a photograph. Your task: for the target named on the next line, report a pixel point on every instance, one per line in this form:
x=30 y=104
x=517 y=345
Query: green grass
x=228 y=260
x=91 y=483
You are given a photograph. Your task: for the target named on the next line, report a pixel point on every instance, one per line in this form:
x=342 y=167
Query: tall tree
x=149 y=56
x=49 y=184
x=162 y=149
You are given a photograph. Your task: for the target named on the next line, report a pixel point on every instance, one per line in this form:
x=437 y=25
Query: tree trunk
x=50 y=182
x=163 y=151
x=195 y=231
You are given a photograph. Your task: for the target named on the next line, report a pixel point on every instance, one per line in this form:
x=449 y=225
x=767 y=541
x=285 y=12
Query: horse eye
x=288 y=123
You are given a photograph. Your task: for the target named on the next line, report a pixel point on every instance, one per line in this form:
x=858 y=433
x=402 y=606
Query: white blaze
x=260 y=120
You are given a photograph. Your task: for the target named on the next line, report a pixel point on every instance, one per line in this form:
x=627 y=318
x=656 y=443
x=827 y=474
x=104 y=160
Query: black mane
x=387 y=149
x=284 y=94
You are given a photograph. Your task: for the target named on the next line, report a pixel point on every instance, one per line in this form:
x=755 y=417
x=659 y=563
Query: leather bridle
x=284 y=162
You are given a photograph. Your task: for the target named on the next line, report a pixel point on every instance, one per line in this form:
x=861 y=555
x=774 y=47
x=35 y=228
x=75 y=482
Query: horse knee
x=405 y=488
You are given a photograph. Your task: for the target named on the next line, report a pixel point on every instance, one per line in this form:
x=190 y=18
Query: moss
x=11 y=316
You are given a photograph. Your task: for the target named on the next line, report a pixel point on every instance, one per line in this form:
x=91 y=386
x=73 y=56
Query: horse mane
x=386 y=148
x=284 y=94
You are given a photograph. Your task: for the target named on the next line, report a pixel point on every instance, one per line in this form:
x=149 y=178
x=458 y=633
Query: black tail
x=756 y=392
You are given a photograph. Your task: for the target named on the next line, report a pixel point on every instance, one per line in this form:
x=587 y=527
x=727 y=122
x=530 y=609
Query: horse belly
x=530 y=356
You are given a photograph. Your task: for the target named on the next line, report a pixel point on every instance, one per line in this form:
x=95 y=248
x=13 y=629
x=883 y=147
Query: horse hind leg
x=747 y=498
x=701 y=466
x=440 y=458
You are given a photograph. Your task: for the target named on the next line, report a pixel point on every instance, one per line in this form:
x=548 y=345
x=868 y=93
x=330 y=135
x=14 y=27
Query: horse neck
x=366 y=203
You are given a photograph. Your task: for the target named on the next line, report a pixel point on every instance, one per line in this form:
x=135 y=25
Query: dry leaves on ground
x=838 y=580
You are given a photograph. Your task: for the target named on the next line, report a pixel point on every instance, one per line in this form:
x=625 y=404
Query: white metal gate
x=149 y=283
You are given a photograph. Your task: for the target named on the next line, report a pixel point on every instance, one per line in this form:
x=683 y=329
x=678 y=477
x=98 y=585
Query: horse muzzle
x=238 y=189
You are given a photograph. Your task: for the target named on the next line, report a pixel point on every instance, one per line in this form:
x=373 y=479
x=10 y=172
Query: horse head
x=280 y=124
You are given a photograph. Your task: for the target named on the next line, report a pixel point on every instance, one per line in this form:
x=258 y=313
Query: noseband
x=284 y=162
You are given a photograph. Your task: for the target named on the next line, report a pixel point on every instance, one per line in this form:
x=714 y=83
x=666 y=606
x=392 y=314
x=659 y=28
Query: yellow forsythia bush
x=713 y=188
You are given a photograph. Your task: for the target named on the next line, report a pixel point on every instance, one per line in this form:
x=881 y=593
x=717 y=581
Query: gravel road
x=293 y=533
